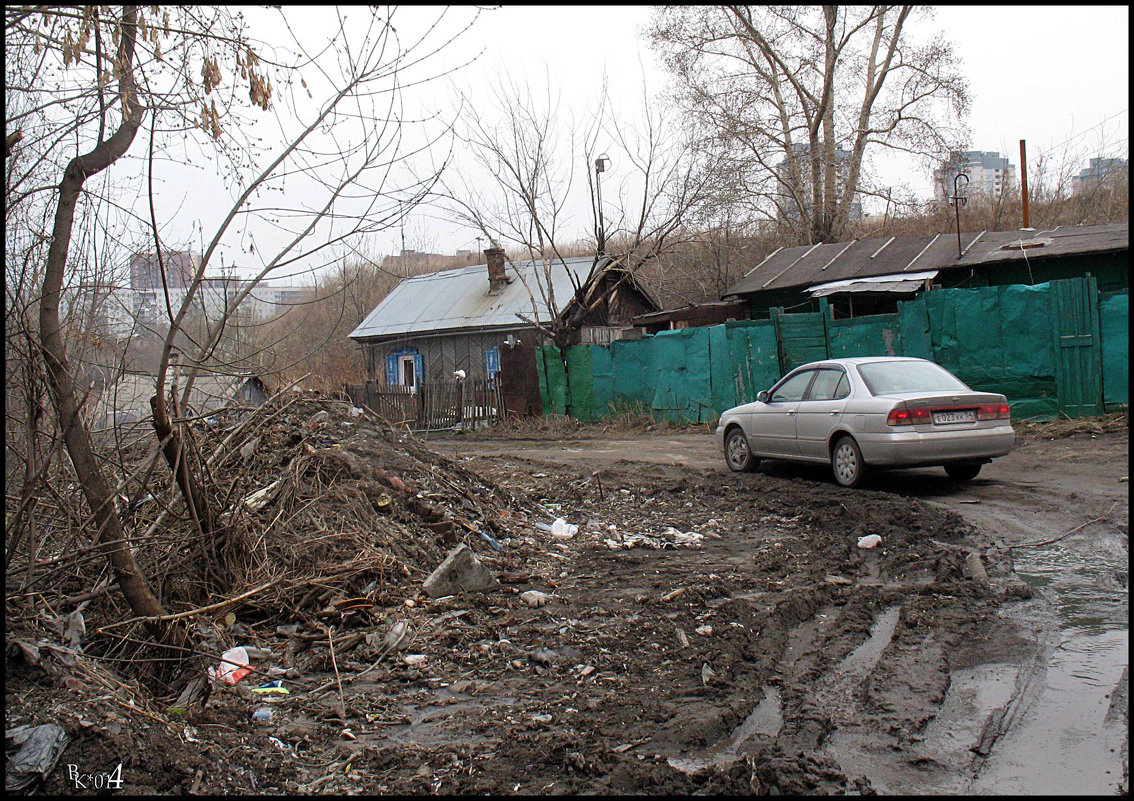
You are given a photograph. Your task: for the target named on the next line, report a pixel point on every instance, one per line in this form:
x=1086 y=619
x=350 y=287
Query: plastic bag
x=234 y=666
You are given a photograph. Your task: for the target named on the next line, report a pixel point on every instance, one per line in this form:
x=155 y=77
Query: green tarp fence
x=1114 y=331
x=995 y=339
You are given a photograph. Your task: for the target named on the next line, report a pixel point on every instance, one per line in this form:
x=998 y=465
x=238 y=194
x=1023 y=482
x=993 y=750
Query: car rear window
x=887 y=378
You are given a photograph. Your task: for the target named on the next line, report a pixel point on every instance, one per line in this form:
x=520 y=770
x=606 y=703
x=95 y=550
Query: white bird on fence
x=459 y=375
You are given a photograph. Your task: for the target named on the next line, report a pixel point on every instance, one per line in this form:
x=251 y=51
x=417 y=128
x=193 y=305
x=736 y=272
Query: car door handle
x=789 y=414
x=834 y=414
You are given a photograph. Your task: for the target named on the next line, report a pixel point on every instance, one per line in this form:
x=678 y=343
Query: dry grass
x=1069 y=427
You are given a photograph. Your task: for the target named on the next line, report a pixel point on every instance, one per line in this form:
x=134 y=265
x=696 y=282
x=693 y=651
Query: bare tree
x=91 y=78
x=524 y=184
x=792 y=101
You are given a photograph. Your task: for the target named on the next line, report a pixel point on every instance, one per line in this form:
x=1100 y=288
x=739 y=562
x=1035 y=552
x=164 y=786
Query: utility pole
x=405 y=267
x=600 y=166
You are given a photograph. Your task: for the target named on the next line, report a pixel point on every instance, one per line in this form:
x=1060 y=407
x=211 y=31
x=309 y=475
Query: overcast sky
x=1052 y=75
x=1045 y=74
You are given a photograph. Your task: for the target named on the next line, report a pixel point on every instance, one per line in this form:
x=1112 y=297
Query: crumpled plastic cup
x=562 y=530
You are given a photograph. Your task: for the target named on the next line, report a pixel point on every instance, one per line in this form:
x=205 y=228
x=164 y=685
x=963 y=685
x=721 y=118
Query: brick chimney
x=497 y=280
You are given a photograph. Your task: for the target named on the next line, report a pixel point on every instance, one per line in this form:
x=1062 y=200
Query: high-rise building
x=802 y=153
x=145 y=271
x=1099 y=169
x=990 y=174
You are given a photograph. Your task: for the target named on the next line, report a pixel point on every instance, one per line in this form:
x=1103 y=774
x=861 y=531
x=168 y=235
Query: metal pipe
x=1024 y=181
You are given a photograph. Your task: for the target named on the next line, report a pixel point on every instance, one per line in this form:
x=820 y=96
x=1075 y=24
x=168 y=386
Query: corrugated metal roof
x=808 y=265
x=453 y=300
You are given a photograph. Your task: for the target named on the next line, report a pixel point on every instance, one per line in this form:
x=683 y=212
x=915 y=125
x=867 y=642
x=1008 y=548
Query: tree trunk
x=76 y=437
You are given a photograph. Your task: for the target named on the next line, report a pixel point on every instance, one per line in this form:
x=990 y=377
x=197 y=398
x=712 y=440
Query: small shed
x=432 y=325
x=128 y=400
x=869 y=276
x=692 y=316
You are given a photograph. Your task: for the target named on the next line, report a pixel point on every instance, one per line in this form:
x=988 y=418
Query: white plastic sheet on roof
x=899 y=282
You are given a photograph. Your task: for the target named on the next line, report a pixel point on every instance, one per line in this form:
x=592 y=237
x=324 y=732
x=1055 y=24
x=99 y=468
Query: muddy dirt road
x=1035 y=703
x=703 y=632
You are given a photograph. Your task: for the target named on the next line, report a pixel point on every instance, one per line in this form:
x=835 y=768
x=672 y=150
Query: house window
x=407 y=376
x=404 y=367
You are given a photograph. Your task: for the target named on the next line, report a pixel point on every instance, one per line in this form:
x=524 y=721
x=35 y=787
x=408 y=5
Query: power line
x=1084 y=133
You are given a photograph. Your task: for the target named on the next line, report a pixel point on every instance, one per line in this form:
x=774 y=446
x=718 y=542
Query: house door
x=1078 y=353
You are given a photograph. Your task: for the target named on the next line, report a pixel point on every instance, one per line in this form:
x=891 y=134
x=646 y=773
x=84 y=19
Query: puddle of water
x=941 y=762
x=1064 y=742
x=426 y=725
x=765 y=720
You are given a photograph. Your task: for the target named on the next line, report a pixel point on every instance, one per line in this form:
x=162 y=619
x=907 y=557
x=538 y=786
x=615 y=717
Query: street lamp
x=958 y=201
x=600 y=166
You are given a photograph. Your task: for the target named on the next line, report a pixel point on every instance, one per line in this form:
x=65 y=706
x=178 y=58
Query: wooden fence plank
x=432 y=406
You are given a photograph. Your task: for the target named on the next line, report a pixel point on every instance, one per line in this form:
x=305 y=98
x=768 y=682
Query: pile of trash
x=322 y=504
x=615 y=540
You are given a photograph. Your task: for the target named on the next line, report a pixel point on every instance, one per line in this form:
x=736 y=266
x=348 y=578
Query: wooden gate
x=1078 y=353
x=801 y=337
x=519 y=381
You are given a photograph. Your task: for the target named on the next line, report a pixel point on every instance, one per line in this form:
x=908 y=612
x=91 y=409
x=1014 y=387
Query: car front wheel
x=847 y=464
x=737 y=453
x=963 y=471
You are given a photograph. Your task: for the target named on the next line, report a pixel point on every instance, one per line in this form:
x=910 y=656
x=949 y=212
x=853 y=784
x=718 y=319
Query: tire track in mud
x=828 y=654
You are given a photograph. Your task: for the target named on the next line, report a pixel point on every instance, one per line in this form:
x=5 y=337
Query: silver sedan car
x=858 y=414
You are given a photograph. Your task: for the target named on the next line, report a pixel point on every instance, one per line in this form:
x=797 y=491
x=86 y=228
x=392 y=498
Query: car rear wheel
x=847 y=464
x=963 y=471
x=737 y=453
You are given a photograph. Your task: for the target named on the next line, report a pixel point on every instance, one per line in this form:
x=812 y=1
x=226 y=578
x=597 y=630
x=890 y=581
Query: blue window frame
x=395 y=367
x=492 y=361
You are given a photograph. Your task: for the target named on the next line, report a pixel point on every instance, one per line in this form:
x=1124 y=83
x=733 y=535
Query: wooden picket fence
x=433 y=406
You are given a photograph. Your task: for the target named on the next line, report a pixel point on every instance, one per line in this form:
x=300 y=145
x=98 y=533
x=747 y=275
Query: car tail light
x=899 y=416
x=994 y=411
x=908 y=415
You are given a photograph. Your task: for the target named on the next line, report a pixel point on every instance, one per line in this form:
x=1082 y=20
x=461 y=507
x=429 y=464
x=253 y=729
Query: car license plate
x=944 y=418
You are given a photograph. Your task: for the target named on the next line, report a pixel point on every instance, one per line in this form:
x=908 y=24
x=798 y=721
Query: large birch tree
x=793 y=101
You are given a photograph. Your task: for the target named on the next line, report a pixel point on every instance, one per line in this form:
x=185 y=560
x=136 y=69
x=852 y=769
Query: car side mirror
x=762 y=396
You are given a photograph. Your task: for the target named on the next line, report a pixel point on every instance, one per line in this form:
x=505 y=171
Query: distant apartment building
x=210 y=300
x=145 y=269
x=269 y=301
x=1099 y=170
x=801 y=152
x=990 y=174
x=143 y=302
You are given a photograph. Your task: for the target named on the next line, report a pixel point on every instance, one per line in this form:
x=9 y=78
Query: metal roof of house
x=808 y=265
x=456 y=300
